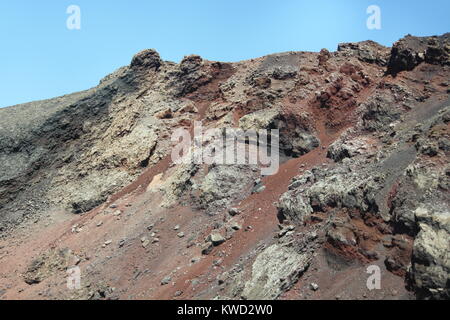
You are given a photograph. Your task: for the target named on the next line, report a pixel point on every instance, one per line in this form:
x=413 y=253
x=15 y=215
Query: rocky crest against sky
x=87 y=180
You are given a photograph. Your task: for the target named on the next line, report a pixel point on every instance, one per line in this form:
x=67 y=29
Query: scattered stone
x=190 y=244
x=207 y=248
x=195 y=282
x=166 y=280
x=145 y=243
x=314 y=286
x=137 y=274
x=259 y=187
x=76 y=261
x=76 y=228
x=222 y=278
x=216 y=238
x=217 y=262
x=178 y=293
x=195 y=260
x=235 y=226
x=117 y=213
x=180 y=235
x=233 y=212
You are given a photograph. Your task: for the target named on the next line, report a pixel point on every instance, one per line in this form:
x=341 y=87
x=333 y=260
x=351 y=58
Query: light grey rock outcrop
x=274 y=271
x=431 y=255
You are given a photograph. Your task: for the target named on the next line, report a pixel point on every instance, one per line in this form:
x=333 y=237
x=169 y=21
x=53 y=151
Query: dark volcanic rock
x=410 y=51
x=146 y=59
x=366 y=51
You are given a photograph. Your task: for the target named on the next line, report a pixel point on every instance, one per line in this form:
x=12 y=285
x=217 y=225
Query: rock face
x=410 y=51
x=147 y=59
x=79 y=149
x=431 y=257
x=294 y=141
x=294 y=207
x=366 y=51
x=46 y=265
x=221 y=184
x=363 y=180
x=348 y=148
x=393 y=183
x=274 y=271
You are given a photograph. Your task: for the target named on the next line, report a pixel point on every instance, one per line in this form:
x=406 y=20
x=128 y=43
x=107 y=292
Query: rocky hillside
x=87 y=180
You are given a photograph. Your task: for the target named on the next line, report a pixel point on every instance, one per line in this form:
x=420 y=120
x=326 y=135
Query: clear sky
x=41 y=58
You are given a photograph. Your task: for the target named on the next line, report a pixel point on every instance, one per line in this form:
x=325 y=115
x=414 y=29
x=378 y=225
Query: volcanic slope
x=87 y=180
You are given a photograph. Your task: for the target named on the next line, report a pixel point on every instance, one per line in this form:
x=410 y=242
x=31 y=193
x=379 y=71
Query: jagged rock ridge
x=364 y=137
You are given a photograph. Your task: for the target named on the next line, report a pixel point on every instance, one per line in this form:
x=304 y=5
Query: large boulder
x=146 y=59
x=262 y=119
x=348 y=148
x=294 y=207
x=295 y=139
x=189 y=76
x=274 y=271
x=222 y=185
x=379 y=111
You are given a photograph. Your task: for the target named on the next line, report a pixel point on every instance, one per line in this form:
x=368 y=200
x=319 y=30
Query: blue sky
x=40 y=58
